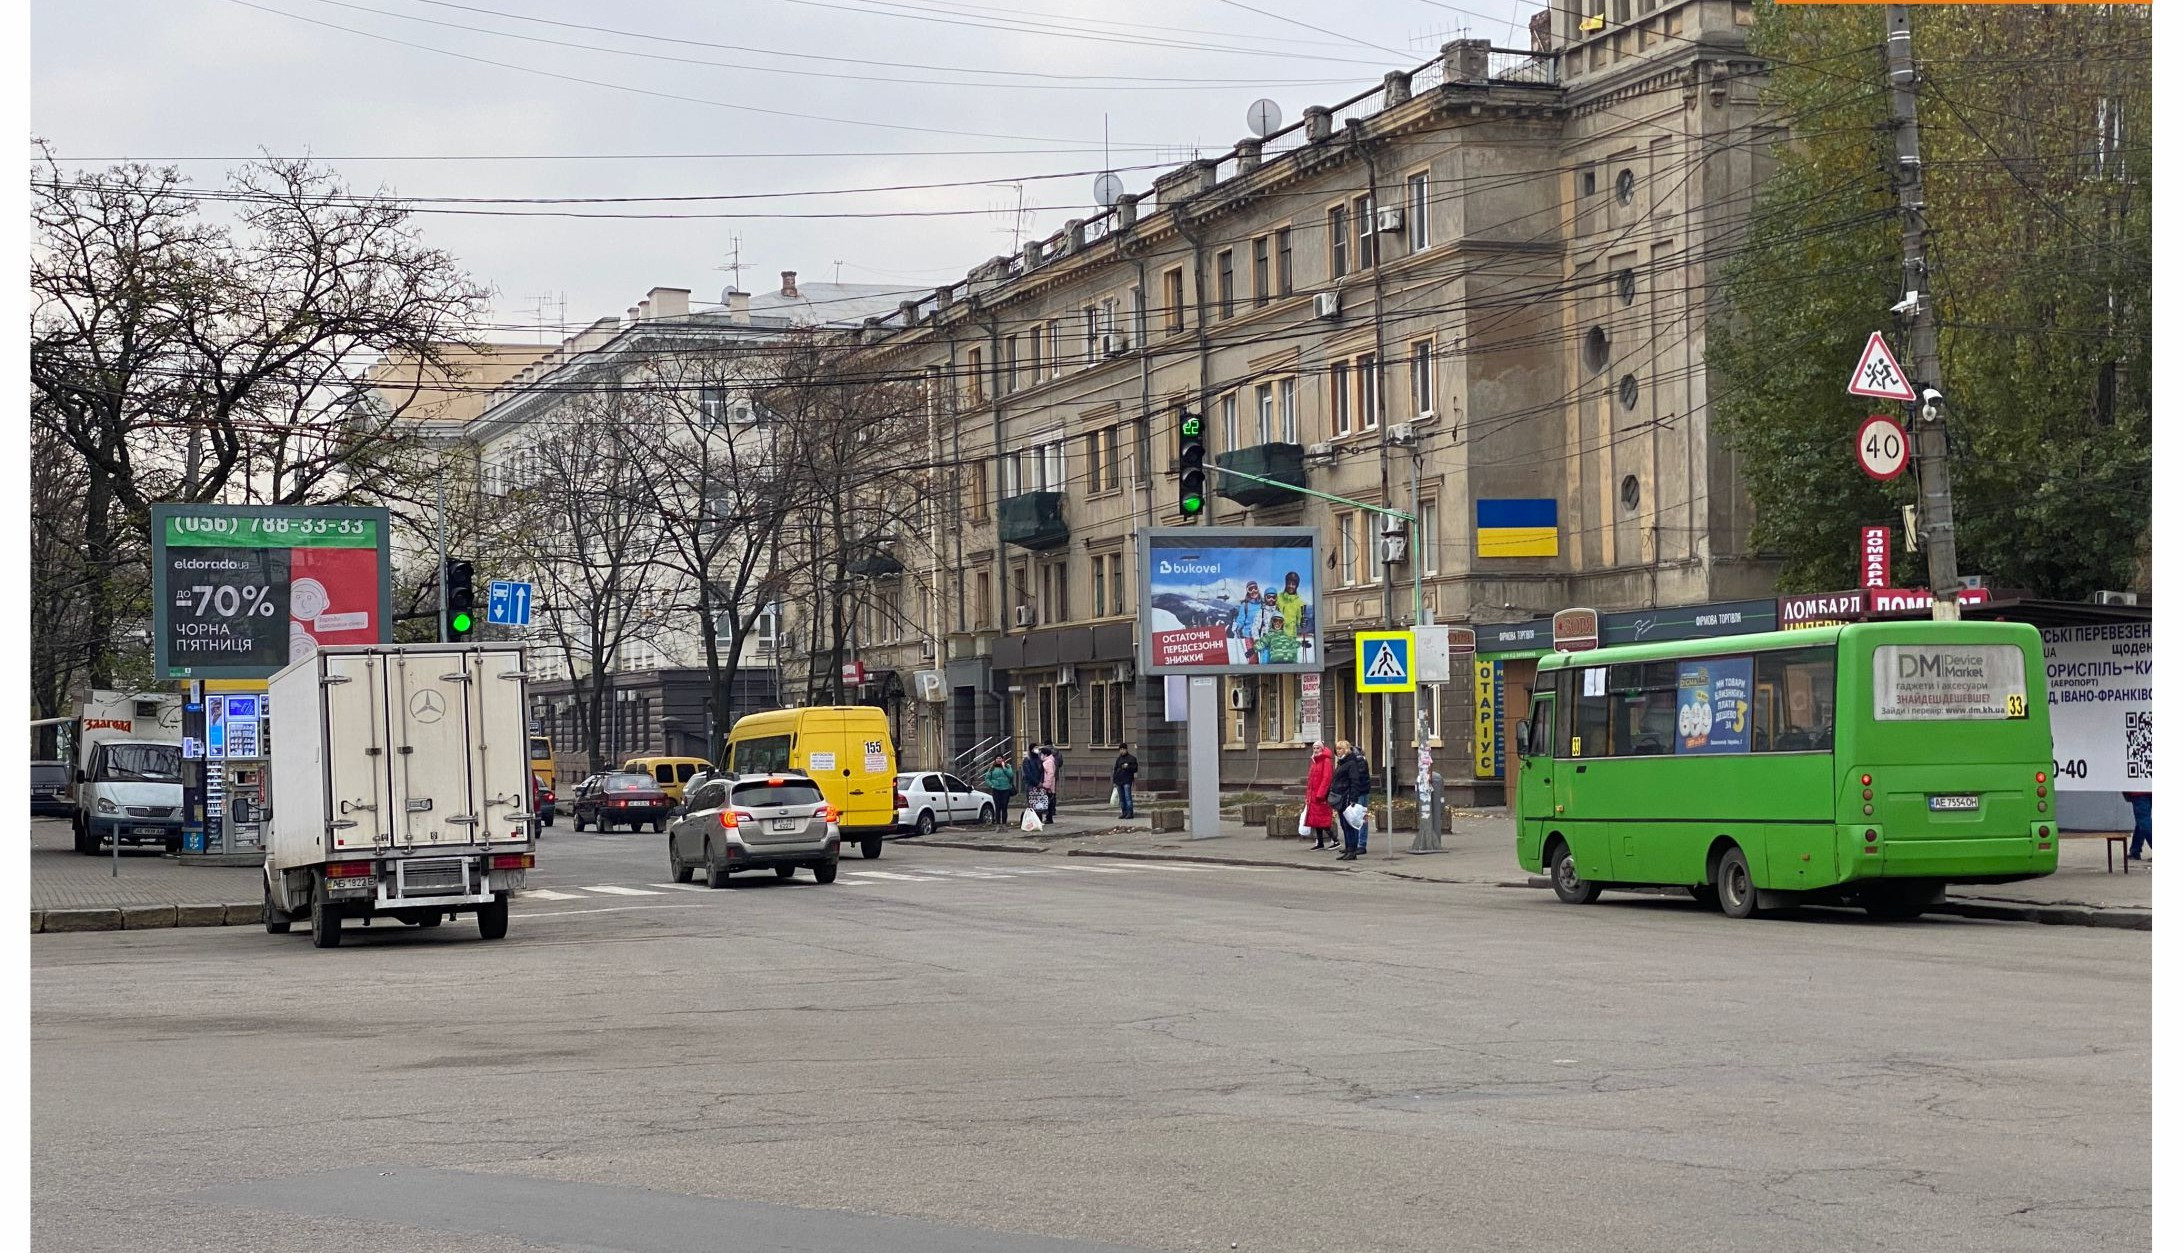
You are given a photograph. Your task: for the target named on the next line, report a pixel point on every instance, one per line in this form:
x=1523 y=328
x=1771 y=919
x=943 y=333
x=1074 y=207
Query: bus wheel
x=1571 y=889
x=1739 y=899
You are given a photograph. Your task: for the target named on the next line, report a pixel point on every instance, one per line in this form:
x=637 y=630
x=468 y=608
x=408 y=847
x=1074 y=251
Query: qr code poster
x=2100 y=699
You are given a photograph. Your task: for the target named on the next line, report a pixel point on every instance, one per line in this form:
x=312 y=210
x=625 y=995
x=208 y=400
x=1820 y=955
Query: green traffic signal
x=1193 y=426
x=461 y=622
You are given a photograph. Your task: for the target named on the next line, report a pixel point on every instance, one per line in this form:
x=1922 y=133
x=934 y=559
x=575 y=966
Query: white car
x=924 y=801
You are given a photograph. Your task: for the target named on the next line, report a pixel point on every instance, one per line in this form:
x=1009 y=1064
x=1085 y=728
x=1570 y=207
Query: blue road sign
x=508 y=604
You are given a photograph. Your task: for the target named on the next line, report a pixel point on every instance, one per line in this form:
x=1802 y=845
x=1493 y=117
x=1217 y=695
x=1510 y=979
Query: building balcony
x=874 y=564
x=1033 y=520
x=1282 y=463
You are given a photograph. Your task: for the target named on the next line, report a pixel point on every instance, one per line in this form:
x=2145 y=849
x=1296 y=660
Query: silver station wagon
x=734 y=822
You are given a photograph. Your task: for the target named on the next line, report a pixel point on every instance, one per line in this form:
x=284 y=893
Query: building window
x=1284 y=263
x=1031 y=350
x=1102 y=732
x=1419 y=196
x=1368 y=392
x=1286 y=390
x=1091 y=335
x=1045 y=714
x=1273 y=710
x=1338 y=396
x=1421 y=377
x=1591 y=183
x=1626 y=285
x=1060 y=737
x=1136 y=316
x=1107 y=597
x=974 y=367
x=1231 y=436
x=1625 y=186
x=1428 y=537
x=1371 y=526
x=975 y=473
x=1595 y=349
x=1631 y=494
x=1337 y=242
x=1261 y=271
x=1265 y=413
x=1367 y=233
x=1171 y=300
x=1008 y=366
x=1053 y=589
x=1111 y=479
x=1053 y=349
x=1225 y=282
x=985 y=599
x=1348 y=556
x=1627 y=390
x=1095 y=460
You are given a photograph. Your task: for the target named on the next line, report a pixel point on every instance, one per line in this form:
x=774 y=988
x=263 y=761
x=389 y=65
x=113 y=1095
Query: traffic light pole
x=443 y=546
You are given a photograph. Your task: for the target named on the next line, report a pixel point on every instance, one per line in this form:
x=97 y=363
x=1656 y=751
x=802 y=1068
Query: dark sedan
x=620 y=799
x=49 y=788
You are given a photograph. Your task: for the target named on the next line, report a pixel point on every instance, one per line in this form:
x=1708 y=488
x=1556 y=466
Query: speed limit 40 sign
x=1882 y=450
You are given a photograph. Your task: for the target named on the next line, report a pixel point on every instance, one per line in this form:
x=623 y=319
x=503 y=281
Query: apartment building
x=1476 y=294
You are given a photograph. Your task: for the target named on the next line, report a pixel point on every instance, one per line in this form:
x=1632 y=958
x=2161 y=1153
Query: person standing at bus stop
x=1000 y=784
x=1352 y=786
x=2141 y=831
x=1318 y=794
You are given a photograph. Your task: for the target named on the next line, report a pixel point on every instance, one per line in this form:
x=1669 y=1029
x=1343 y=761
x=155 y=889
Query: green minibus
x=1870 y=764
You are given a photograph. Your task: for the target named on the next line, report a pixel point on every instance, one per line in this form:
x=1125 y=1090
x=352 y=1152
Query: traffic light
x=1190 y=452
x=461 y=598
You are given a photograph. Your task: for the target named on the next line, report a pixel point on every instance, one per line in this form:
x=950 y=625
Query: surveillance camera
x=1931 y=395
x=1930 y=410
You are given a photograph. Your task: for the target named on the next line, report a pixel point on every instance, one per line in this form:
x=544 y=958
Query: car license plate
x=1939 y=804
x=148 y=830
x=788 y=824
x=360 y=881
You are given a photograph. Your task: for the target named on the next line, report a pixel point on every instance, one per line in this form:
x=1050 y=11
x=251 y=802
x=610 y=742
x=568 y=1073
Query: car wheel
x=925 y=824
x=784 y=872
x=174 y=844
x=716 y=875
x=872 y=843
x=985 y=815
x=276 y=919
x=1732 y=879
x=325 y=923
x=547 y=820
x=576 y=821
x=493 y=918
x=825 y=871
x=86 y=843
x=659 y=826
x=676 y=871
x=1562 y=866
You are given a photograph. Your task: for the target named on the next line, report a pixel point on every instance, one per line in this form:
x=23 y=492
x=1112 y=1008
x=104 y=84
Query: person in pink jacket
x=1318 y=814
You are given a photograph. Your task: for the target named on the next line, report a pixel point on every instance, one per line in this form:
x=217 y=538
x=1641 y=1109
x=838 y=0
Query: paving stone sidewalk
x=61 y=878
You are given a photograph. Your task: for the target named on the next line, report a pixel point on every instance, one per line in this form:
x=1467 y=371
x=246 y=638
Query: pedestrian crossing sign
x=1386 y=661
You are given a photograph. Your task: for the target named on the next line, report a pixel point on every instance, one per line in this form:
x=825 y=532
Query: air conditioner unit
x=1113 y=345
x=1390 y=219
x=1065 y=675
x=2114 y=598
x=1242 y=695
x=1125 y=672
x=1401 y=434
x=928 y=649
x=1394 y=544
x=1327 y=304
x=1026 y=615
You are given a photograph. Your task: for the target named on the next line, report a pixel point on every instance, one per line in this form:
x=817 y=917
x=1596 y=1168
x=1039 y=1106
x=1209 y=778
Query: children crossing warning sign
x=1878 y=375
x=1384 y=661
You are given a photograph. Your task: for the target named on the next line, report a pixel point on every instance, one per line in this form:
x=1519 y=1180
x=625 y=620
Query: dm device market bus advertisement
x=1219 y=600
x=240 y=591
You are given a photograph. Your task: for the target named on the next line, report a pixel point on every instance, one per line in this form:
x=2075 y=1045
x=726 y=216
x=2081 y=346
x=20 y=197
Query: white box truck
x=126 y=784
x=400 y=787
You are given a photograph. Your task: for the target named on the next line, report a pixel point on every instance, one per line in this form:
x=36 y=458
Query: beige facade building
x=1485 y=280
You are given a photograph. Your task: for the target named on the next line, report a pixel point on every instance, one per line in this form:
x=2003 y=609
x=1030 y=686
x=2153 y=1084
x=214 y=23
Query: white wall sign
x=2100 y=700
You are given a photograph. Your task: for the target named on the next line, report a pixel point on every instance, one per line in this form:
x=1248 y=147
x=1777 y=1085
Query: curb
x=145 y=917
x=1216 y=861
x=2049 y=915
x=979 y=848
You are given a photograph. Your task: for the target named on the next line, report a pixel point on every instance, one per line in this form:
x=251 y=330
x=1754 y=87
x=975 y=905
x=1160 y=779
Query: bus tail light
x=2040 y=777
x=1872 y=842
x=1865 y=779
x=2042 y=789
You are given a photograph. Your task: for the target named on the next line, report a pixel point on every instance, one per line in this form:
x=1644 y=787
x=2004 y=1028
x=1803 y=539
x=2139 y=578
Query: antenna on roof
x=1107 y=186
x=734 y=267
x=1264 y=117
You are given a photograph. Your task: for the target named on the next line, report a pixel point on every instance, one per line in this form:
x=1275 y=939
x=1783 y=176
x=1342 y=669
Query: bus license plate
x=1945 y=803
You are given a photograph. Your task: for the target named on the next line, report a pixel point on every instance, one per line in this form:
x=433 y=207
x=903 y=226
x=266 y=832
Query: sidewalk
x=1480 y=849
x=71 y=892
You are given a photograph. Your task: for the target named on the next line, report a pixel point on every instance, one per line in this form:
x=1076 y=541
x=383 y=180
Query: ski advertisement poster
x=1229 y=600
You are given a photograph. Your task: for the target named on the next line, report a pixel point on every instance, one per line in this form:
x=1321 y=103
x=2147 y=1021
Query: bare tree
x=183 y=361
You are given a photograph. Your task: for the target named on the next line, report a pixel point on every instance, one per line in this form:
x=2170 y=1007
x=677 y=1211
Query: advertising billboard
x=238 y=591
x=1229 y=600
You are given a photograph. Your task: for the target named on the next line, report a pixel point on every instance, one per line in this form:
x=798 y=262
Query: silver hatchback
x=737 y=822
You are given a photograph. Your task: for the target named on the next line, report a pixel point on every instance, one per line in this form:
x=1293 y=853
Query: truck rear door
x=500 y=759
x=356 y=750
x=432 y=717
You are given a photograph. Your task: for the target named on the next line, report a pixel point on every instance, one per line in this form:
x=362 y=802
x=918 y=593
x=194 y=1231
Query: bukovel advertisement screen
x=1228 y=600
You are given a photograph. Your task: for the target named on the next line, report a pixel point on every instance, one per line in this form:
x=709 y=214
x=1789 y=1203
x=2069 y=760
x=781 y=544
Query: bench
x=2113 y=838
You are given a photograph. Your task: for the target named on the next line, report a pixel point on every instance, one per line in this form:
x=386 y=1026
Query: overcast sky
x=784 y=96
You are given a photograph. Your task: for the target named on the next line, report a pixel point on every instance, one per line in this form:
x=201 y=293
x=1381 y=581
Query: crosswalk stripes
x=547 y=894
x=611 y=890
x=909 y=874
x=681 y=887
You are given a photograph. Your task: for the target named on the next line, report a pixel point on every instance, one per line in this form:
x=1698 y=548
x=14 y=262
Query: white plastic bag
x=1114 y=798
x=1302 y=827
x=1356 y=815
x=1031 y=821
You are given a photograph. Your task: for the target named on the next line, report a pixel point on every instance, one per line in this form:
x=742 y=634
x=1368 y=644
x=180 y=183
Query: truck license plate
x=360 y=881
x=1944 y=803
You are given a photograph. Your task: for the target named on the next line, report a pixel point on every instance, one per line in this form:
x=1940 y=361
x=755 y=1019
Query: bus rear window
x=1947 y=682
x=760 y=756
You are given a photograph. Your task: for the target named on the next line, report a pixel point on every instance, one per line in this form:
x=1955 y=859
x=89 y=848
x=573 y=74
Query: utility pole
x=1927 y=414
x=442 y=577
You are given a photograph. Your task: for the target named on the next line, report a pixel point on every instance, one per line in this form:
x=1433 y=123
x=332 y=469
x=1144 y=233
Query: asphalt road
x=986 y=1053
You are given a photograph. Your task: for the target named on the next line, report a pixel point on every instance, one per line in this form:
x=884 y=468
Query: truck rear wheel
x=325 y=924
x=872 y=845
x=493 y=918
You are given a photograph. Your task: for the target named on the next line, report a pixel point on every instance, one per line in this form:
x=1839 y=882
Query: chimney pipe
x=788 y=284
x=739 y=307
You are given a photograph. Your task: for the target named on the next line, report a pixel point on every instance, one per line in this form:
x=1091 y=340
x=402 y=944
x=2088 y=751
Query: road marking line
x=1015 y=870
x=611 y=890
x=884 y=874
x=1101 y=869
x=610 y=909
x=683 y=887
x=961 y=874
x=545 y=894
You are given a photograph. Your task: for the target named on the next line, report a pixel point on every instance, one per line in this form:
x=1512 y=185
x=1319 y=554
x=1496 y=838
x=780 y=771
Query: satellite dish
x=1264 y=117
x=1106 y=189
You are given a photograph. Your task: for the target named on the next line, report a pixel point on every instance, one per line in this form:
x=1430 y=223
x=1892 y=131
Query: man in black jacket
x=1125 y=781
x=1352 y=786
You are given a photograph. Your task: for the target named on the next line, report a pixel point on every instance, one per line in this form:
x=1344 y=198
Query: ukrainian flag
x=1519 y=528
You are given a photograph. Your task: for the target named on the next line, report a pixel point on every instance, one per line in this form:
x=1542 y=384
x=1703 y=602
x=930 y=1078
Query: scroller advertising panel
x=241 y=590
x=1228 y=600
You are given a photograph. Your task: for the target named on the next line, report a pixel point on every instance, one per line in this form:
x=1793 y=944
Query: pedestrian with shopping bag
x=1031 y=776
x=1352 y=789
x=1125 y=782
x=1000 y=784
x=1318 y=788
x=1051 y=762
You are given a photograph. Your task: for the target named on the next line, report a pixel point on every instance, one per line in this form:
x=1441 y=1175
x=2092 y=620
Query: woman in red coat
x=1318 y=814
